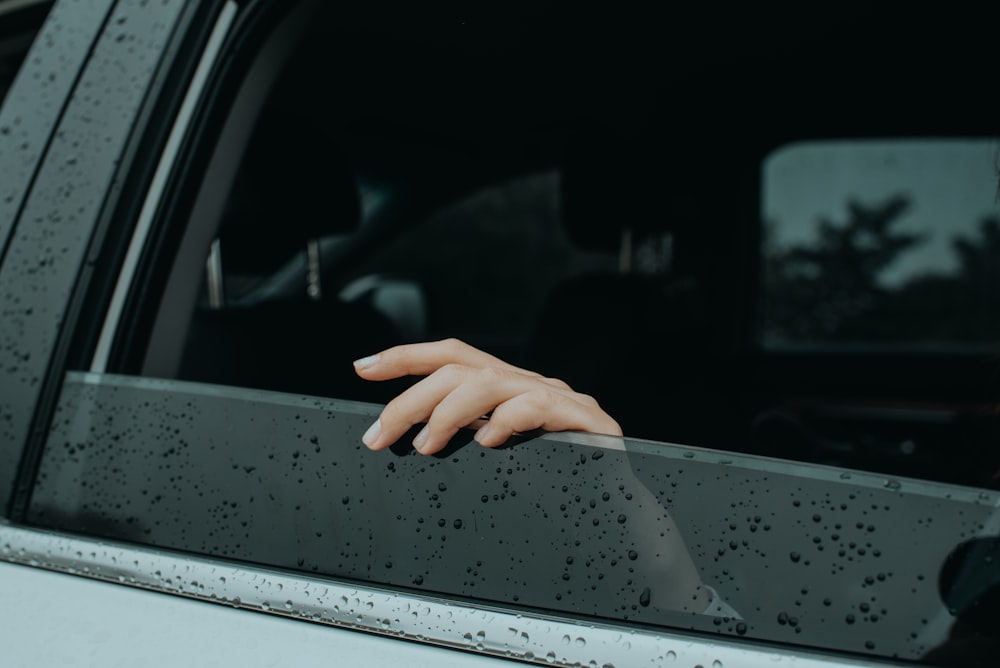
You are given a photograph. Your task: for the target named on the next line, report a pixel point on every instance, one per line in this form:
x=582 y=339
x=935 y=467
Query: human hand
x=462 y=385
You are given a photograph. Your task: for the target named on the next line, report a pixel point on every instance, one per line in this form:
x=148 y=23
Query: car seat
x=293 y=189
x=637 y=340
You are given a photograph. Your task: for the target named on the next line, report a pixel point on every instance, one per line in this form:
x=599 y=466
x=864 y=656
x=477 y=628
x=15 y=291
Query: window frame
x=55 y=184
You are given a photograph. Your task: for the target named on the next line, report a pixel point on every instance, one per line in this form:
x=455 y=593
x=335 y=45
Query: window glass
x=881 y=242
x=489 y=260
x=597 y=526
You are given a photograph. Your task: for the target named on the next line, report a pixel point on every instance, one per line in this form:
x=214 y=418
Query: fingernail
x=481 y=434
x=372 y=434
x=421 y=438
x=366 y=362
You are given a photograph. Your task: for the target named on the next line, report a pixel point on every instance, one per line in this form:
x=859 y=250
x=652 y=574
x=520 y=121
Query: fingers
x=421 y=359
x=452 y=397
x=463 y=384
x=548 y=409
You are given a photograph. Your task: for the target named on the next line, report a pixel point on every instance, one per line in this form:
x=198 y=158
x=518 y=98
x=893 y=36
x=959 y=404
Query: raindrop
x=795 y=556
x=644 y=597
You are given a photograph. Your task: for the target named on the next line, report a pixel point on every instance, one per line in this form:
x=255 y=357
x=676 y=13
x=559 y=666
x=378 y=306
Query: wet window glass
x=881 y=242
x=608 y=528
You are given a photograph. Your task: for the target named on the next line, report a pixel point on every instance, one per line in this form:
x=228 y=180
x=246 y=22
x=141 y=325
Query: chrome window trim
x=163 y=168
x=525 y=636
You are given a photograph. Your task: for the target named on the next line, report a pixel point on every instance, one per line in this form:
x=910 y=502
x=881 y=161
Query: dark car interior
x=581 y=194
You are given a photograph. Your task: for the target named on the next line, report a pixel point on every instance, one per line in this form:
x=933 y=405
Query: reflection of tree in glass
x=960 y=307
x=816 y=290
x=829 y=290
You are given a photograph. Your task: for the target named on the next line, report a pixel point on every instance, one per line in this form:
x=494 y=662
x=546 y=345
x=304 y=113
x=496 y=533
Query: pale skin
x=461 y=386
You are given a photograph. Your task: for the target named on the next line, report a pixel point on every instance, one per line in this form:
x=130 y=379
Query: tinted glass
x=590 y=525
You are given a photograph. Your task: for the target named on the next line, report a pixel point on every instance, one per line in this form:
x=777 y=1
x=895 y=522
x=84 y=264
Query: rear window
x=874 y=243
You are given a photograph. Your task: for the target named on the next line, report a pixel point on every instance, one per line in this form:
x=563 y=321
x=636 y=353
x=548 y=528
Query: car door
x=262 y=503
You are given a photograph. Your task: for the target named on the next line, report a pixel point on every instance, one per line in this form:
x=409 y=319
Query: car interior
x=584 y=197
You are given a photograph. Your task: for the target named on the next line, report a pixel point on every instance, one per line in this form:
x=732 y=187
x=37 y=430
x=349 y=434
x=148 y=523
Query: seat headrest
x=607 y=186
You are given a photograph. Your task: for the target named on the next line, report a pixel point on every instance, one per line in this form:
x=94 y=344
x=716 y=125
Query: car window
x=217 y=426
x=610 y=529
x=881 y=242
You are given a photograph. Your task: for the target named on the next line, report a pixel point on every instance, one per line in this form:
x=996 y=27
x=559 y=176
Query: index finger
x=423 y=359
